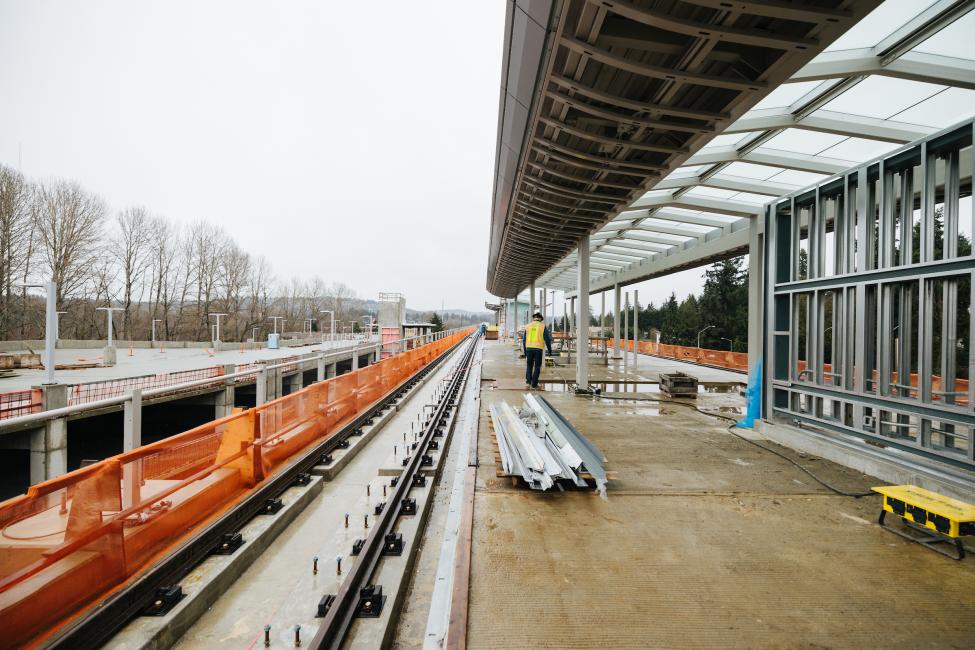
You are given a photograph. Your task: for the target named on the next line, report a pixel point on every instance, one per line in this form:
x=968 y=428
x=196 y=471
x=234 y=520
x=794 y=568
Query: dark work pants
x=533 y=357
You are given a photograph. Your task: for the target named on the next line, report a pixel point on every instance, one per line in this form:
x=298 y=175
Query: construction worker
x=537 y=338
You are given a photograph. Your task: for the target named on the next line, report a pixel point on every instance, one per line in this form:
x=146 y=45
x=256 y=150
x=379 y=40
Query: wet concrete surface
x=705 y=540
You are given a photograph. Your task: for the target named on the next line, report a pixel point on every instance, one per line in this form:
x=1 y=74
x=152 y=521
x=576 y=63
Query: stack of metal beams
x=542 y=447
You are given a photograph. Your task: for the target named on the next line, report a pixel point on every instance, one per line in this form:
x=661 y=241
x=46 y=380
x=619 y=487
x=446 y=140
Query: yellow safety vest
x=535 y=336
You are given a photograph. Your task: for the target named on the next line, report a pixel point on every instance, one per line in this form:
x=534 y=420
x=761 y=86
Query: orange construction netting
x=723 y=359
x=72 y=540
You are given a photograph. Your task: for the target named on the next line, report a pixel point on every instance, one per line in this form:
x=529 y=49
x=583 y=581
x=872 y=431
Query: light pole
x=699 y=335
x=254 y=334
x=216 y=337
x=331 y=313
x=109 y=354
x=310 y=322
x=731 y=344
x=154 y=321
x=276 y=319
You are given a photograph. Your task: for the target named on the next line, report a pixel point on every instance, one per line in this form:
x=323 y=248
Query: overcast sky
x=350 y=140
x=354 y=141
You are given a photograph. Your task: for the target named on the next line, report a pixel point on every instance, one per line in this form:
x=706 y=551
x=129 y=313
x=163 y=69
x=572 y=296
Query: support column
x=636 y=326
x=531 y=300
x=132 y=439
x=756 y=311
x=320 y=368
x=626 y=325
x=294 y=381
x=49 y=443
x=514 y=331
x=572 y=315
x=330 y=371
x=223 y=403
x=602 y=314
x=544 y=302
x=616 y=321
x=582 y=317
x=355 y=357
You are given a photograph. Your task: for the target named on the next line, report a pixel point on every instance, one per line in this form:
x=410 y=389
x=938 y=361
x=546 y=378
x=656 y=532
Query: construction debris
x=539 y=445
x=678 y=384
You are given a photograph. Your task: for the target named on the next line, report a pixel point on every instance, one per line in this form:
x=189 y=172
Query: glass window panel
x=882 y=97
x=801 y=141
x=879 y=23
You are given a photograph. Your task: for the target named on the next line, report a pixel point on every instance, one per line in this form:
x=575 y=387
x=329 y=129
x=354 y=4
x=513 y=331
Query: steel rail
x=98 y=625
x=338 y=621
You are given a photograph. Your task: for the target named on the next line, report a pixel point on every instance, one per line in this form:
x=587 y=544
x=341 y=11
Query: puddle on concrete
x=737 y=410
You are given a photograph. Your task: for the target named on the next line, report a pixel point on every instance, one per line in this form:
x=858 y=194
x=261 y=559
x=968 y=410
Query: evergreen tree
x=437 y=322
x=725 y=304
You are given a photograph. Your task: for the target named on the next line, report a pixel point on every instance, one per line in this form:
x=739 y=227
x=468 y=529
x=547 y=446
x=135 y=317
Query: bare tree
x=130 y=249
x=16 y=239
x=235 y=270
x=69 y=224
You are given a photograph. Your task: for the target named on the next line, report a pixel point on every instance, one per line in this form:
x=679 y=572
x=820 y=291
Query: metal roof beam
x=671 y=23
x=775 y=9
x=644 y=246
x=854 y=126
x=612 y=142
x=667 y=230
x=641 y=168
x=578 y=179
x=622 y=102
x=770 y=158
x=624 y=118
x=633 y=235
x=713 y=221
x=721 y=206
x=658 y=72
x=728 y=182
x=920 y=28
x=914 y=66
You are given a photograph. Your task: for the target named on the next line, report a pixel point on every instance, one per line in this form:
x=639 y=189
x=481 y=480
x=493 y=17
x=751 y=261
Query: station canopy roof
x=658 y=127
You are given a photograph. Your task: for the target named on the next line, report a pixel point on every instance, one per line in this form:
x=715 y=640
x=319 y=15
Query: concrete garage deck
x=704 y=541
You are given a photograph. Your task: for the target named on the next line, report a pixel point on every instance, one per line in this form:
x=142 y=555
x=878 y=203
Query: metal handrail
x=53 y=414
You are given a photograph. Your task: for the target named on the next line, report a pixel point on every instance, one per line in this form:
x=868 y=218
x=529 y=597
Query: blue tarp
x=753 y=398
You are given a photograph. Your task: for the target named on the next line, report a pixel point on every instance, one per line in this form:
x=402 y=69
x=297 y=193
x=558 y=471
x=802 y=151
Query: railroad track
x=99 y=624
x=357 y=595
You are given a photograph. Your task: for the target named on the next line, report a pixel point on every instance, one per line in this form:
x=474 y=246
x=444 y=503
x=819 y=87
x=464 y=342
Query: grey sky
x=354 y=141
x=350 y=140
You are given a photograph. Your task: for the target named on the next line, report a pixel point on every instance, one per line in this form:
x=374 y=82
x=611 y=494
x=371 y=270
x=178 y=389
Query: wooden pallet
x=517 y=479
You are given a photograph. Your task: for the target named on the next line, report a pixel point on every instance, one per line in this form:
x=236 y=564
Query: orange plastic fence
x=72 y=540
x=723 y=359
x=959 y=388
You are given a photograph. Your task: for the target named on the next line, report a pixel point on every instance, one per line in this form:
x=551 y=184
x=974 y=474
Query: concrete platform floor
x=704 y=541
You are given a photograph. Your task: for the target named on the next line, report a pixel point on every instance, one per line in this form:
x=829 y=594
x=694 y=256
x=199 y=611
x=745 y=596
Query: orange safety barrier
x=959 y=389
x=71 y=541
x=722 y=359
